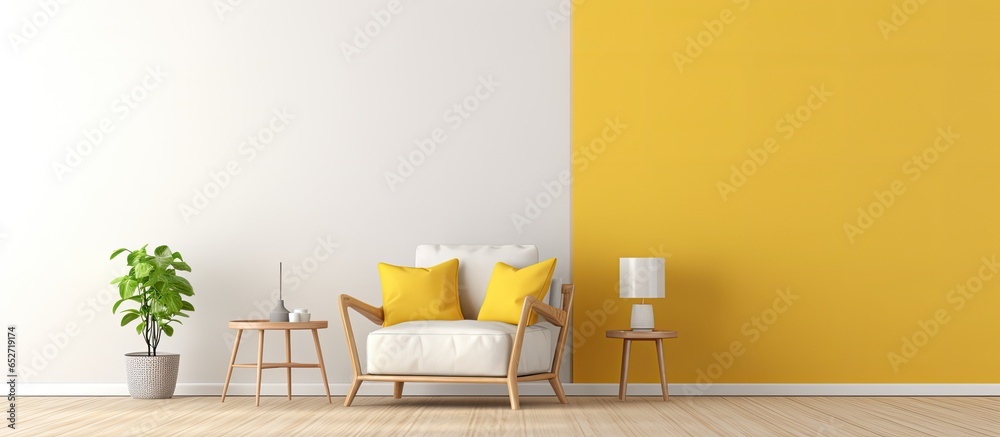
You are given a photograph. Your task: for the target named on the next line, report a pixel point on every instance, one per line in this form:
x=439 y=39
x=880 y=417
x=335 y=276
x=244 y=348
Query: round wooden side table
x=628 y=336
x=288 y=327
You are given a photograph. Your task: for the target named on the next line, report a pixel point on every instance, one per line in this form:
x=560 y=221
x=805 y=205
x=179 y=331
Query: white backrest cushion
x=475 y=266
x=555 y=292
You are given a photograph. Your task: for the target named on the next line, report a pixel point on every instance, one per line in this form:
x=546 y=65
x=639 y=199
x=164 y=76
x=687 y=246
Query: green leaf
x=114 y=309
x=163 y=251
x=173 y=303
x=118 y=279
x=163 y=257
x=152 y=279
x=167 y=329
x=115 y=253
x=177 y=255
x=140 y=327
x=135 y=256
x=161 y=308
x=129 y=287
x=142 y=270
x=129 y=317
x=179 y=314
x=186 y=306
x=133 y=298
x=181 y=285
x=181 y=265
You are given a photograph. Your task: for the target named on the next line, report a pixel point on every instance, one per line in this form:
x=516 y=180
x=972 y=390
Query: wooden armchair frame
x=556 y=316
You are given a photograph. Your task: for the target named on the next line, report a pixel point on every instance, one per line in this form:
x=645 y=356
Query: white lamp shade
x=642 y=277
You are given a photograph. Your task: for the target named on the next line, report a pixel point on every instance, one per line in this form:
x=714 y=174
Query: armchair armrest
x=376 y=315
x=370 y=312
x=548 y=312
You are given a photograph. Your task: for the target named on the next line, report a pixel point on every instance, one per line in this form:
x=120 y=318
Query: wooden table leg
x=288 y=359
x=260 y=361
x=663 y=371
x=232 y=360
x=626 y=345
x=322 y=367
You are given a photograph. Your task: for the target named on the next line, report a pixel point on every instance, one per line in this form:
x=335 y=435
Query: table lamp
x=642 y=278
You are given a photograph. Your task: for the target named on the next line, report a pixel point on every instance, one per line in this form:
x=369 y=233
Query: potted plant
x=153 y=285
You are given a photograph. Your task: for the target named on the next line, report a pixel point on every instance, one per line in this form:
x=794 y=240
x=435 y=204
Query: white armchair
x=469 y=351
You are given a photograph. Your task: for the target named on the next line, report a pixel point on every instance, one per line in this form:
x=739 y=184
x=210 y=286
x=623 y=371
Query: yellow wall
x=649 y=183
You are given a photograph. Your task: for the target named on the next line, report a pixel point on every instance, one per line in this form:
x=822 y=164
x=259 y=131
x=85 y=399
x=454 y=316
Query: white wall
x=320 y=182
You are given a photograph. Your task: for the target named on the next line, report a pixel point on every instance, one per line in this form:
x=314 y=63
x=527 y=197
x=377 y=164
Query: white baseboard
x=529 y=389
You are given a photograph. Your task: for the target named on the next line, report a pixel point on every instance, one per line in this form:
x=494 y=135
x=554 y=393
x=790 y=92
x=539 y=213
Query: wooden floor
x=444 y=416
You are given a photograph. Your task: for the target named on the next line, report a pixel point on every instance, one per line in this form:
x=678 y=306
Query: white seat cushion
x=456 y=348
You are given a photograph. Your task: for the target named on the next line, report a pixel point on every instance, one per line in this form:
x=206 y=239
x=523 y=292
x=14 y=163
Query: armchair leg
x=512 y=390
x=397 y=390
x=355 y=385
x=557 y=387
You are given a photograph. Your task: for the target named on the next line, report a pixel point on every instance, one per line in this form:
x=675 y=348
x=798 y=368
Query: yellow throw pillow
x=415 y=293
x=508 y=288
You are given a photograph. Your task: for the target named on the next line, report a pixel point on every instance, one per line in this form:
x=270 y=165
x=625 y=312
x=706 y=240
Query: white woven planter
x=151 y=377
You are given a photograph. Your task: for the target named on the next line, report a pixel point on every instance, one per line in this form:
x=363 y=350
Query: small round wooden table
x=628 y=336
x=288 y=327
